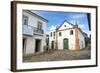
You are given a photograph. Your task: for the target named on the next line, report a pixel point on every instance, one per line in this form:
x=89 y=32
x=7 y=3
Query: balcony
x=27 y=30
x=39 y=31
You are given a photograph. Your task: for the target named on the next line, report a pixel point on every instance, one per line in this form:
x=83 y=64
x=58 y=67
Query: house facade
x=33 y=32
x=67 y=36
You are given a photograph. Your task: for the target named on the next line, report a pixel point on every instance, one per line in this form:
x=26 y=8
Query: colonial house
x=67 y=36
x=33 y=32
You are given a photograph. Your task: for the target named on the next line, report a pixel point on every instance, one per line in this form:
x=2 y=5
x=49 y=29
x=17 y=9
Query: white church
x=33 y=32
x=67 y=36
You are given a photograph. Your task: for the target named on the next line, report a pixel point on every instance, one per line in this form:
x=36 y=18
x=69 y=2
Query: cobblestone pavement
x=58 y=55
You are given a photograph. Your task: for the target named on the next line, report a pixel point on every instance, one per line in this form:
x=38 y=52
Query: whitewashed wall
x=33 y=20
x=43 y=43
x=72 y=40
x=64 y=34
x=30 y=45
x=51 y=38
x=60 y=40
x=81 y=40
x=67 y=26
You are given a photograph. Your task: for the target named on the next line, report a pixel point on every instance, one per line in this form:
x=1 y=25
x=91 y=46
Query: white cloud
x=48 y=29
x=73 y=22
x=83 y=28
x=52 y=27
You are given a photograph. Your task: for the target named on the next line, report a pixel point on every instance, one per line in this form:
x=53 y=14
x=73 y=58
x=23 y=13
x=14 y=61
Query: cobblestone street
x=58 y=55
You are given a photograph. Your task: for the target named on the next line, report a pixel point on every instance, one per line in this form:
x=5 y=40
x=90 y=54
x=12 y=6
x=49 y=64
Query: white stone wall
x=51 y=38
x=66 y=34
x=72 y=40
x=43 y=42
x=33 y=20
x=81 y=40
x=27 y=30
x=30 y=44
x=60 y=40
x=67 y=26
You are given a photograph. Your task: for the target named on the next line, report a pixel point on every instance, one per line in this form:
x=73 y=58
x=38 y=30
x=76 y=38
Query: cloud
x=48 y=29
x=73 y=22
x=52 y=27
x=84 y=28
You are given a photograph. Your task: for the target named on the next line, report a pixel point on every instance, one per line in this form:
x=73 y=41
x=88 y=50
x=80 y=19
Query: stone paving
x=59 y=55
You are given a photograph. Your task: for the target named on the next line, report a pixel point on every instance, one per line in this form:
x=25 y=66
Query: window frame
x=60 y=34
x=25 y=19
x=39 y=25
x=71 y=32
x=50 y=34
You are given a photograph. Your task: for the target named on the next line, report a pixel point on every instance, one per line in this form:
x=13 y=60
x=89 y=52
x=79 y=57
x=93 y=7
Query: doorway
x=37 y=45
x=24 y=45
x=65 y=43
x=52 y=44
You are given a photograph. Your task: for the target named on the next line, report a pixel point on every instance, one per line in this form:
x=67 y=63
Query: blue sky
x=55 y=19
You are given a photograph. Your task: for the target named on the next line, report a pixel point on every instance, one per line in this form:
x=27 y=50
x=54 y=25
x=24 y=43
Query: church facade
x=67 y=36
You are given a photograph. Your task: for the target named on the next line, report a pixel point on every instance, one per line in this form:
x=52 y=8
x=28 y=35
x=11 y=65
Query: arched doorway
x=65 y=43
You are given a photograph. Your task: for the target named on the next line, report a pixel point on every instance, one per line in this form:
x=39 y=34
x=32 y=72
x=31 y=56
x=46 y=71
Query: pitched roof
x=28 y=11
x=75 y=26
x=63 y=23
x=84 y=34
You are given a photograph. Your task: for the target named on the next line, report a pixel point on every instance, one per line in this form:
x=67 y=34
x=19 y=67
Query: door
x=52 y=44
x=37 y=45
x=24 y=45
x=65 y=44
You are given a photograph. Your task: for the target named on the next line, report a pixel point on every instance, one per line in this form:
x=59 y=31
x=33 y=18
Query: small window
x=64 y=25
x=25 y=20
x=71 y=32
x=39 y=25
x=51 y=34
x=59 y=33
x=54 y=33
